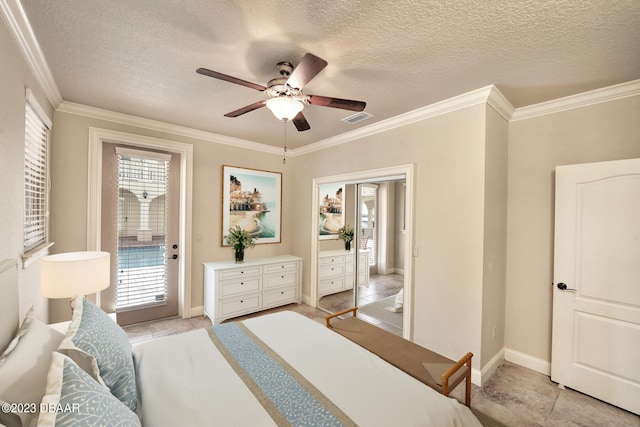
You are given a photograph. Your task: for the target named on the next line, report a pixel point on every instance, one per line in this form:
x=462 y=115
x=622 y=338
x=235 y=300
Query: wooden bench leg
x=467 y=380
x=340 y=313
x=445 y=389
x=467 y=397
x=466 y=360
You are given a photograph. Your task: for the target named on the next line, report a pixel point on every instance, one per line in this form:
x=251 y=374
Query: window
x=143 y=178
x=36 y=178
x=368 y=207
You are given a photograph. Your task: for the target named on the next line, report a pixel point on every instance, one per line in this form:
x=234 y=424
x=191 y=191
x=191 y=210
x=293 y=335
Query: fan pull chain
x=284 y=153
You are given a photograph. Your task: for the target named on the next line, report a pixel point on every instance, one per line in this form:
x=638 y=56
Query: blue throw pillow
x=74 y=398
x=101 y=348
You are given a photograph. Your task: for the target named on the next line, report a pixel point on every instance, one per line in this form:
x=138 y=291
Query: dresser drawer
x=236 y=289
x=279 y=296
x=327 y=271
x=240 y=286
x=328 y=286
x=273 y=268
x=240 y=305
x=338 y=259
x=283 y=279
x=241 y=272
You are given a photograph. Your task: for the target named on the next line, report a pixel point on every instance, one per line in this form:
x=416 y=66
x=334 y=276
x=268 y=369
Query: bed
x=277 y=369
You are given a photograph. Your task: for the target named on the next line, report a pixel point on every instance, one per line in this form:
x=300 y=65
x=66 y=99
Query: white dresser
x=231 y=289
x=336 y=270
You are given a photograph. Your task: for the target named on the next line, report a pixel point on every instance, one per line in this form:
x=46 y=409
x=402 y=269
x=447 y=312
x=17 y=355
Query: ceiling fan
x=286 y=99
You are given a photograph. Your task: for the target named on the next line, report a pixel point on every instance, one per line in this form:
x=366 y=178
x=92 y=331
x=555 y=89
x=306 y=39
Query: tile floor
x=379 y=287
x=514 y=395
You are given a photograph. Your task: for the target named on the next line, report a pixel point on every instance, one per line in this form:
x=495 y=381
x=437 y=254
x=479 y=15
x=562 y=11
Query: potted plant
x=346 y=233
x=240 y=239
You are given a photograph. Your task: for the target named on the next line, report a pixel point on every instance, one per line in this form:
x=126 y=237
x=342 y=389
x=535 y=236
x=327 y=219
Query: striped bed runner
x=288 y=397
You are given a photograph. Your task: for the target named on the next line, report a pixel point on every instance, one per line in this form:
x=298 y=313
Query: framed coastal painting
x=252 y=199
x=331 y=215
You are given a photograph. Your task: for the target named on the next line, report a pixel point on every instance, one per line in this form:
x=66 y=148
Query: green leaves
x=345 y=233
x=240 y=238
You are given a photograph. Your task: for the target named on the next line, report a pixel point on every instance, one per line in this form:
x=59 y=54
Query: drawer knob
x=242 y=283
x=282 y=277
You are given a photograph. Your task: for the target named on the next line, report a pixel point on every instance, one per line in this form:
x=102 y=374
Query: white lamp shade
x=284 y=108
x=75 y=273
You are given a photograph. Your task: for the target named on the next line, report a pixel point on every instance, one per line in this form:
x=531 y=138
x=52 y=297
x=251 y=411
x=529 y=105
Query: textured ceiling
x=139 y=57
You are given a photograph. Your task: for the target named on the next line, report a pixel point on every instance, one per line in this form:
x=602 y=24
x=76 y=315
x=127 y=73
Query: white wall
x=448 y=152
x=69 y=195
x=495 y=238
x=15 y=77
x=601 y=132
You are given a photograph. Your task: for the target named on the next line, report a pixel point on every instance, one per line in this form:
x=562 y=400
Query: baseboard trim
x=197 y=311
x=527 y=361
x=480 y=377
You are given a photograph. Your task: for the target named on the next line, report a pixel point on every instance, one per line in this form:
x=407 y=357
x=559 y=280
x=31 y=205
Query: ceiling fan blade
x=246 y=109
x=345 y=104
x=301 y=122
x=230 y=79
x=306 y=70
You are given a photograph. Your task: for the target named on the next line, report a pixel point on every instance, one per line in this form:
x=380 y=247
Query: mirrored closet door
x=368 y=273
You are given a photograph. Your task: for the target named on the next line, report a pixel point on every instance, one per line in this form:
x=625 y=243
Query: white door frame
x=99 y=136
x=398 y=172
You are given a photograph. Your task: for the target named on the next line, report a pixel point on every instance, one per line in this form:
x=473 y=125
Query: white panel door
x=596 y=296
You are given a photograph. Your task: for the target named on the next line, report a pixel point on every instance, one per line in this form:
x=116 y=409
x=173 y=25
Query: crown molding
x=459 y=102
x=585 y=99
x=488 y=94
x=500 y=103
x=20 y=28
x=155 y=125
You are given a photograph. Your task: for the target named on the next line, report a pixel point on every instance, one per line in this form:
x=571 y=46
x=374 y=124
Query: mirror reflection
x=368 y=271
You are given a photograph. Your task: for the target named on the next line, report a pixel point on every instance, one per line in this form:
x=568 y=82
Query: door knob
x=563 y=287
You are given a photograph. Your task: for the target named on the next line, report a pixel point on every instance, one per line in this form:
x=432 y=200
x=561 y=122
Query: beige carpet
x=379 y=310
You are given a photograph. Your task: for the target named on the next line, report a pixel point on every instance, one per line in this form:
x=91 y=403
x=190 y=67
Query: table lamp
x=74 y=273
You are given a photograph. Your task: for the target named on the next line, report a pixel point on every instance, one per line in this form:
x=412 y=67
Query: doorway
x=378 y=205
x=183 y=153
x=140 y=212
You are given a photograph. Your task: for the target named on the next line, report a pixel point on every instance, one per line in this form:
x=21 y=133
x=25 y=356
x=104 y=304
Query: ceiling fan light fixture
x=284 y=108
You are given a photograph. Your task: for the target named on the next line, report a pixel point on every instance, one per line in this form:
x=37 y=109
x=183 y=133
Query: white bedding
x=184 y=380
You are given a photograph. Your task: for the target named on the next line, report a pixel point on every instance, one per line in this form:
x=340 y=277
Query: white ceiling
x=139 y=57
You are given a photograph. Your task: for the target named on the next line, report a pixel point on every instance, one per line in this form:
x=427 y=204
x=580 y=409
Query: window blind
x=142 y=214
x=35 y=179
x=369 y=200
